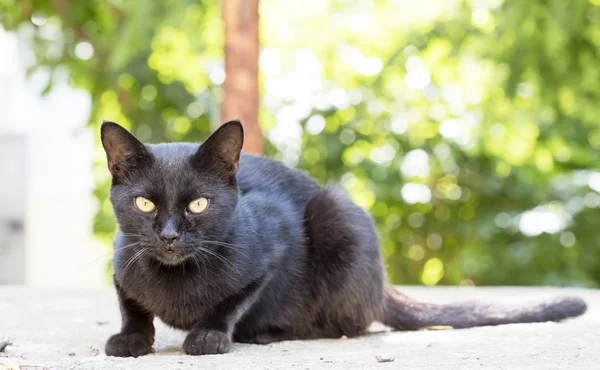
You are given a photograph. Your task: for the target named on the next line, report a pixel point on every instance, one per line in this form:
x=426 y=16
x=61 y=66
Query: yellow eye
x=144 y=205
x=198 y=205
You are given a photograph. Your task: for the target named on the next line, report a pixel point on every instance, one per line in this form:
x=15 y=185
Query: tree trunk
x=241 y=99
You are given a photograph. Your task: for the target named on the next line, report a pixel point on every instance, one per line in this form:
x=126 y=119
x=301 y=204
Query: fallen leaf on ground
x=74 y=365
x=439 y=327
x=10 y=366
x=95 y=351
x=384 y=357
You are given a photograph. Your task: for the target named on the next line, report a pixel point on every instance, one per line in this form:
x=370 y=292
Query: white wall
x=60 y=250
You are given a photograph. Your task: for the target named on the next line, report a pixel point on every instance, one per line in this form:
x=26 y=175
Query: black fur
x=274 y=256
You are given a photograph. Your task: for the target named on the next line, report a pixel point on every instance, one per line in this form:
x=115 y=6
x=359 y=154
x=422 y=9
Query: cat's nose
x=169 y=238
x=169 y=233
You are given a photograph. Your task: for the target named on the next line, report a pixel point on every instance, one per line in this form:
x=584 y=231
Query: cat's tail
x=403 y=313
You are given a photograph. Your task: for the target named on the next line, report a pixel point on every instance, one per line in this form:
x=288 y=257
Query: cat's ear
x=220 y=153
x=123 y=150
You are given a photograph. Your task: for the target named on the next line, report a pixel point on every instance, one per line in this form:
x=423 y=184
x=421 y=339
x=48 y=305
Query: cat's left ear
x=220 y=153
x=123 y=150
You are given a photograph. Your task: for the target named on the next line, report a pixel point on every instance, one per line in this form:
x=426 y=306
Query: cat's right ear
x=220 y=153
x=123 y=150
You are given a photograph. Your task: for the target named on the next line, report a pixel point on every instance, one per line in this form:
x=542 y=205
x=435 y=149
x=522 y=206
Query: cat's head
x=171 y=200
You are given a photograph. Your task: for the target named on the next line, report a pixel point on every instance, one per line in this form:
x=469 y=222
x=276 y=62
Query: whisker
x=257 y=233
x=130 y=245
x=129 y=234
x=230 y=245
x=141 y=255
x=199 y=254
x=125 y=266
x=86 y=264
x=196 y=260
x=204 y=265
x=130 y=262
x=103 y=255
x=216 y=255
x=238 y=251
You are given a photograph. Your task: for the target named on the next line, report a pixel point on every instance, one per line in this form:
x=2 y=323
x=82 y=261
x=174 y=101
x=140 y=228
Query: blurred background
x=470 y=129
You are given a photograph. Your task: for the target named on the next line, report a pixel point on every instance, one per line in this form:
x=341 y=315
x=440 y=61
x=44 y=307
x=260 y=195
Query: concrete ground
x=57 y=329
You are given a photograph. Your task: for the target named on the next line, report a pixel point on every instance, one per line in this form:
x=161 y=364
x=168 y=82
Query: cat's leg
x=214 y=334
x=137 y=330
x=346 y=268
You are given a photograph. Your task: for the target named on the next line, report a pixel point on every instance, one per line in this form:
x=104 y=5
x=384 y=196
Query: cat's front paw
x=128 y=345
x=206 y=342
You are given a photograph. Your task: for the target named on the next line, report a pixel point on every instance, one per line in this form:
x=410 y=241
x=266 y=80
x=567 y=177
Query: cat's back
x=263 y=174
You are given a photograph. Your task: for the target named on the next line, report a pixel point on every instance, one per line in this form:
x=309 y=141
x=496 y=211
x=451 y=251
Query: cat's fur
x=274 y=257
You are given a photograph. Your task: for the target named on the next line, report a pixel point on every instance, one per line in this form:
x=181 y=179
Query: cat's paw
x=128 y=345
x=206 y=342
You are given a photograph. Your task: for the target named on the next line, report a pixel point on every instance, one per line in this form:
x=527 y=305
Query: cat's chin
x=169 y=258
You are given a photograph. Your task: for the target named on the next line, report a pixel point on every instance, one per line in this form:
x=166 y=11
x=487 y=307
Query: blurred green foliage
x=468 y=128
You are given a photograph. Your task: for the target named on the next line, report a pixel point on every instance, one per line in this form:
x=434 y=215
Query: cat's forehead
x=173 y=151
x=171 y=170
x=172 y=160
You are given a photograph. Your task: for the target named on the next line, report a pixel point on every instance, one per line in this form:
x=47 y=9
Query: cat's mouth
x=169 y=257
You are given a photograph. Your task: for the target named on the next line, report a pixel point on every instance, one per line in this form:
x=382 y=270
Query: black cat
x=243 y=248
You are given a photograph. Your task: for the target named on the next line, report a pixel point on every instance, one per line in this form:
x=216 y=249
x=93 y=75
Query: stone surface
x=62 y=329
